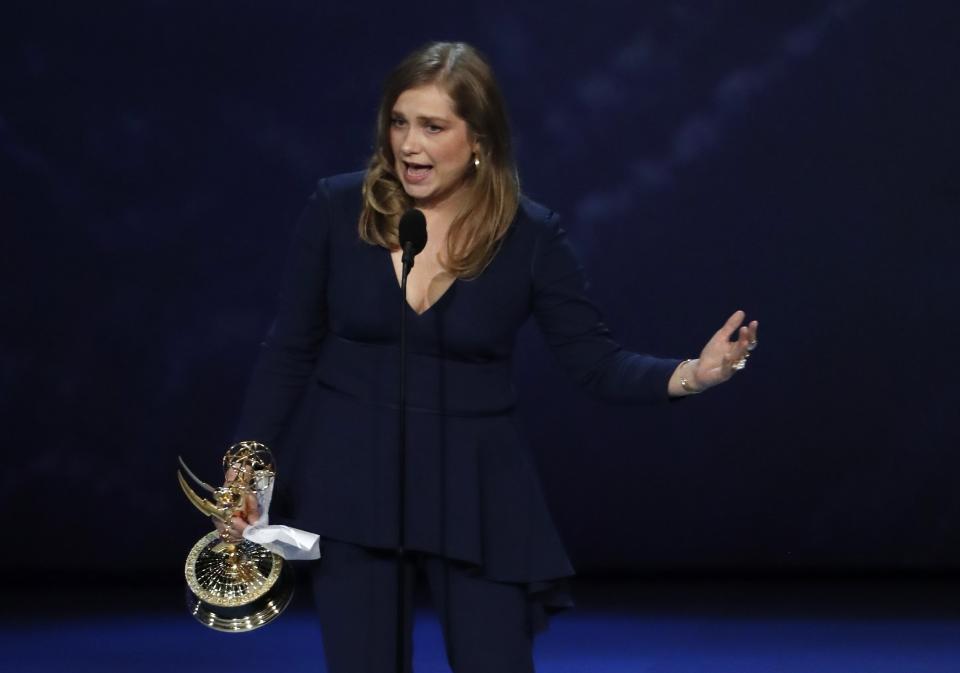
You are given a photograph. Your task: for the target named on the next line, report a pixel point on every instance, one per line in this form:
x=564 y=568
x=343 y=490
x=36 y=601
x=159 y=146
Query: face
x=432 y=148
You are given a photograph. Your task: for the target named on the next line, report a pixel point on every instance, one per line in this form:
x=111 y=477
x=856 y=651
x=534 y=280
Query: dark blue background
x=798 y=161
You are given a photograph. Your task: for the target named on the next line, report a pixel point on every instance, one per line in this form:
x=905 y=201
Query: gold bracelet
x=685 y=383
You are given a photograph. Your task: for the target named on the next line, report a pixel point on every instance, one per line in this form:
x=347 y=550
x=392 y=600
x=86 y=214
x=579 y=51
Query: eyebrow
x=423 y=118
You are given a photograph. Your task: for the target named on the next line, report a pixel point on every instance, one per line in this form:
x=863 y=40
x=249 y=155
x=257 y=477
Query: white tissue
x=292 y=544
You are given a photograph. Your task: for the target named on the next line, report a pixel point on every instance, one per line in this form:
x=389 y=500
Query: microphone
x=413 y=239
x=413 y=235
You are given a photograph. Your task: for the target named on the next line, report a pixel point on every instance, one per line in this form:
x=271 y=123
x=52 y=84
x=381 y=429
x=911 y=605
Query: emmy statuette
x=235 y=586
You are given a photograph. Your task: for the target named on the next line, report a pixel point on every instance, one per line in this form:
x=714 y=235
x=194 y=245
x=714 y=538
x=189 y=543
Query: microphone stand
x=407 y=261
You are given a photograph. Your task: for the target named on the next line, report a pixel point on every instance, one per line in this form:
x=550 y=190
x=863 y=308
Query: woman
x=324 y=390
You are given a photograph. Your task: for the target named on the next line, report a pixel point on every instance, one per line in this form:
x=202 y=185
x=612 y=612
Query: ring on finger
x=740 y=364
x=752 y=345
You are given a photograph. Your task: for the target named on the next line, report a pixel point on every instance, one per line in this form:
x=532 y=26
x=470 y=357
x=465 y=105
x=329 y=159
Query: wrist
x=686 y=371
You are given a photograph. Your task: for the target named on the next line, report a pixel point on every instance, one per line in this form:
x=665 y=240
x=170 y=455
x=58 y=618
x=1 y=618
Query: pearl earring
x=476 y=161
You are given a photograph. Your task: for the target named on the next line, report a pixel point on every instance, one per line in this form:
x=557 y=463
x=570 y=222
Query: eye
x=433 y=128
x=397 y=122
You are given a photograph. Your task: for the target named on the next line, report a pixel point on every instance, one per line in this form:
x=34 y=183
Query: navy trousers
x=486 y=625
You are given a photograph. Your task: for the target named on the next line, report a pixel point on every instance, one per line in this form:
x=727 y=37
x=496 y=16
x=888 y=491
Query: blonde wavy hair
x=475 y=233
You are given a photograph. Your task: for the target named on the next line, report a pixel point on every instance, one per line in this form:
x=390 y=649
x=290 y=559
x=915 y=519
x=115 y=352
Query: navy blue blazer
x=323 y=392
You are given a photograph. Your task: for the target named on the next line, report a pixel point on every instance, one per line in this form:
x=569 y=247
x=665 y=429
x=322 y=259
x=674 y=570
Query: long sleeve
x=574 y=330
x=290 y=349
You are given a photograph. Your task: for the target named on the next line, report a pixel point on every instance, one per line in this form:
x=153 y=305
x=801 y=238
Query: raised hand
x=722 y=357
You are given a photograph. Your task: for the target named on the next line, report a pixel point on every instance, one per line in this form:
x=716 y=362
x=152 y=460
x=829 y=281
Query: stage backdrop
x=798 y=161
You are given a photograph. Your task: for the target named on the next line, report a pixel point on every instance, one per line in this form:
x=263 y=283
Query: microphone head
x=413 y=230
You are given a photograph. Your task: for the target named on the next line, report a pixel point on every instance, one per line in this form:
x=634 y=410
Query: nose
x=409 y=142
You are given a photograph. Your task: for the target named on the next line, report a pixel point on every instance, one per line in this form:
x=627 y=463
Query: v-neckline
x=396 y=283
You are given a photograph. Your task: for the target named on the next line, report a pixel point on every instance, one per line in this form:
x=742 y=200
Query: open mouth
x=416 y=172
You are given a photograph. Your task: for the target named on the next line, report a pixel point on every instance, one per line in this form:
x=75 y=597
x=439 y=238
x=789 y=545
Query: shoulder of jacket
x=334 y=204
x=534 y=219
x=339 y=198
x=535 y=212
x=341 y=186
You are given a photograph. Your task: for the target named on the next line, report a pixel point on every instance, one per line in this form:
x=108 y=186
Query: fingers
x=222 y=528
x=746 y=334
x=732 y=323
x=234 y=530
x=252 y=508
x=748 y=338
x=238 y=525
x=735 y=357
x=746 y=342
x=727 y=351
x=741 y=346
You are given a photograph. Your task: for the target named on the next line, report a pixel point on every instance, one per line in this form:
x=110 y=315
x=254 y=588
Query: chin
x=417 y=191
